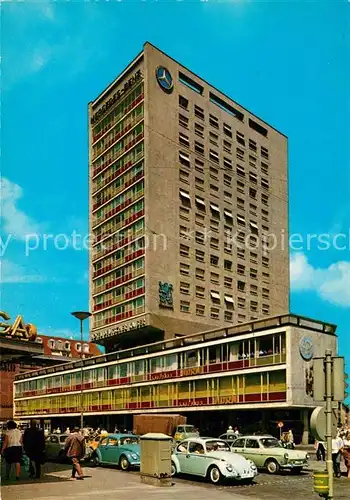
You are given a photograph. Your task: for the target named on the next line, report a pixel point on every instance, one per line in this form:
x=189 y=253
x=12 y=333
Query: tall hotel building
x=185 y=184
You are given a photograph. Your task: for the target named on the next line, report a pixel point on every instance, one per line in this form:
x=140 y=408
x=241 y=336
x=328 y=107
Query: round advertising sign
x=306 y=348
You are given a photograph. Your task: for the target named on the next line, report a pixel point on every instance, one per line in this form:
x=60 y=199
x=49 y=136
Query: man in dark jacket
x=75 y=448
x=34 y=447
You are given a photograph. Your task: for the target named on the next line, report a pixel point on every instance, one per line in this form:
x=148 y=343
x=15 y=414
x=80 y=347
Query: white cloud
x=331 y=284
x=15 y=222
x=10 y=272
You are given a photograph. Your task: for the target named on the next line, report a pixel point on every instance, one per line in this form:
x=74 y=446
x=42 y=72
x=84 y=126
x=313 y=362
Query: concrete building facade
x=186 y=189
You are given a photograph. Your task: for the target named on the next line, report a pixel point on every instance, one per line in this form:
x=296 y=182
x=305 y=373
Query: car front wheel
x=272 y=466
x=94 y=460
x=124 y=463
x=214 y=474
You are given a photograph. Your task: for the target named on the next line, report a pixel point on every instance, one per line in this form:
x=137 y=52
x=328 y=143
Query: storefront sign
x=187 y=372
x=18 y=329
x=225 y=400
x=116 y=96
x=117 y=330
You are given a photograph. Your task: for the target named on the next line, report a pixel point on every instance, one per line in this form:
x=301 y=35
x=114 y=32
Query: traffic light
x=346 y=386
x=338 y=379
x=319 y=385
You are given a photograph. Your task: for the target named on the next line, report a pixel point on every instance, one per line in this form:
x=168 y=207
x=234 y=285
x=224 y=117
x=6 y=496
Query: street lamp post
x=81 y=316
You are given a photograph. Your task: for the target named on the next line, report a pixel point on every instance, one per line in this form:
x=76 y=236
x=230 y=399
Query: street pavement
x=110 y=483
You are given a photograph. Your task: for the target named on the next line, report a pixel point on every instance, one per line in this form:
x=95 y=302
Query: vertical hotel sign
x=116 y=96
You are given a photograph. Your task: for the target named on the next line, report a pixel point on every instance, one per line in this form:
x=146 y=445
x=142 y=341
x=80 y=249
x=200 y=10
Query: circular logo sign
x=306 y=348
x=164 y=79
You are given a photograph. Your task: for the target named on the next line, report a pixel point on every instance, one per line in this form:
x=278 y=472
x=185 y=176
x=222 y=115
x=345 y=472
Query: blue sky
x=288 y=62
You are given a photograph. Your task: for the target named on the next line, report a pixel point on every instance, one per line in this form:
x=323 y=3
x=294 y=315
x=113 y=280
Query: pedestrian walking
x=290 y=439
x=75 y=450
x=321 y=451
x=236 y=432
x=12 y=449
x=337 y=446
x=346 y=453
x=34 y=447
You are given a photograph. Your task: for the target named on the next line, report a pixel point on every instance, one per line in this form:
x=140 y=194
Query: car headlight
x=286 y=456
x=307 y=456
x=134 y=456
x=252 y=465
x=229 y=468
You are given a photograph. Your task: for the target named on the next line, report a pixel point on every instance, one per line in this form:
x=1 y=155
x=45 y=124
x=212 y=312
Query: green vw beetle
x=267 y=452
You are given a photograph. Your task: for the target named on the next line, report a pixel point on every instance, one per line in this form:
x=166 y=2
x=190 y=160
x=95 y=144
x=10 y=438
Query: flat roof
x=9 y=345
x=193 y=339
x=139 y=57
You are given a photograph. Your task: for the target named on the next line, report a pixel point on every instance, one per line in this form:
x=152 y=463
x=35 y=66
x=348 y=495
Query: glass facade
x=117 y=170
x=184 y=377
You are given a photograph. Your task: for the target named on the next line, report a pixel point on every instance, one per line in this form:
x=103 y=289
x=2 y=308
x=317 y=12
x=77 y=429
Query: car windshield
x=129 y=440
x=270 y=443
x=217 y=445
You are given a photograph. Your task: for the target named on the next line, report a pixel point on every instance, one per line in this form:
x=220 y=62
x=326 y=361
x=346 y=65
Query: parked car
x=92 y=445
x=228 y=437
x=117 y=449
x=184 y=432
x=54 y=447
x=267 y=452
x=211 y=458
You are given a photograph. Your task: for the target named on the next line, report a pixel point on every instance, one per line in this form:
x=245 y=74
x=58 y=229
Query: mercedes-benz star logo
x=164 y=79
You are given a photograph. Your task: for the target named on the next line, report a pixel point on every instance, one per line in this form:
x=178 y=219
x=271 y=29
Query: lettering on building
x=117 y=330
x=225 y=400
x=18 y=329
x=186 y=372
x=116 y=96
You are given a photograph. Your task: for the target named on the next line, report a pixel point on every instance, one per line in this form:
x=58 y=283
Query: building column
x=305 y=421
x=265 y=419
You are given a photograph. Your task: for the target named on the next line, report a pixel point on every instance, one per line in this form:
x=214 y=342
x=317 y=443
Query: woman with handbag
x=12 y=449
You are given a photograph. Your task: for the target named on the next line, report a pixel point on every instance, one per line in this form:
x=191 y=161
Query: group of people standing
x=31 y=442
x=340 y=449
x=16 y=445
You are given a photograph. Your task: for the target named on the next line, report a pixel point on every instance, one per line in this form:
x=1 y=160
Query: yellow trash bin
x=321 y=485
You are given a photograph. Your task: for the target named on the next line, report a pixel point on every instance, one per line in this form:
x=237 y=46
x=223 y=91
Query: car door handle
x=188 y=456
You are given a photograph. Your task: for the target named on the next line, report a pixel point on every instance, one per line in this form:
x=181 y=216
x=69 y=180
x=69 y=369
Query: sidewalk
x=107 y=484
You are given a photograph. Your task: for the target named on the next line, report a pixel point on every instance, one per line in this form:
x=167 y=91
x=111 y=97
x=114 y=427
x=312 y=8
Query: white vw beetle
x=213 y=459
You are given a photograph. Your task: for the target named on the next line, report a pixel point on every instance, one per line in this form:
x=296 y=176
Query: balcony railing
x=103 y=287
x=125 y=259
x=128 y=238
x=112 y=194
x=97 y=255
x=117 y=173
x=126 y=110
x=126 y=148
x=119 y=317
x=115 y=301
x=111 y=138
